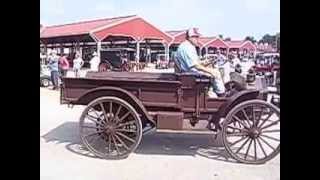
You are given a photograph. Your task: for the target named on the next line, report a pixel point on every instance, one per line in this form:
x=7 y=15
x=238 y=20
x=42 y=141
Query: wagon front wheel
x=110 y=128
x=251 y=132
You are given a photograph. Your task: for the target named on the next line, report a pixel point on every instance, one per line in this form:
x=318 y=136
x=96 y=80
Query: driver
x=188 y=61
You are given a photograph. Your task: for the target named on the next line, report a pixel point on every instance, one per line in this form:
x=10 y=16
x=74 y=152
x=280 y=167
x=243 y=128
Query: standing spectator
x=54 y=69
x=77 y=64
x=63 y=65
x=94 y=62
x=220 y=58
x=235 y=60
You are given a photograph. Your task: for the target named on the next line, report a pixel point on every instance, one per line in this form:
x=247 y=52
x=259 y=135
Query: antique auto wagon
x=122 y=106
x=116 y=59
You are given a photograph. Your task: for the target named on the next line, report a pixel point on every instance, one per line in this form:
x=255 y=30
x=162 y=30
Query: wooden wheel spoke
x=264 y=152
x=245 y=156
x=270 y=131
x=253 y=117
x=124 y=116
x=259 y=118
x=110 y=108
x=127 y=123
x=237 y=134
x=275 y=139
x=115 y=144
x=126 y=137
x=235 y=128
x=246 y=116
x=119 y=139
x=267 y=143
x=104 y=111
x=266 y=119
x=126 y=130
x=91 y=127
x=240 y=121
x=92 y=134
x=271 y=124
x=109 y=144
x=243 y=145
x=118 y=111
x=255 y=149
x=241 y=139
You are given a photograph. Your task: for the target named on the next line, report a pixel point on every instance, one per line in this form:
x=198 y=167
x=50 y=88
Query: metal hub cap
x=254 y=133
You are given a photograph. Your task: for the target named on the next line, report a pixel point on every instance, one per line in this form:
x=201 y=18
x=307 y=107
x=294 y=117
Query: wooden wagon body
x=174 y=101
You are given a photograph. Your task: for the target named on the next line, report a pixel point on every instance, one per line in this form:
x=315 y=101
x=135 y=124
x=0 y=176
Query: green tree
x=278 y=41
x=220 y=36
x=270 y=39
x=250 y=38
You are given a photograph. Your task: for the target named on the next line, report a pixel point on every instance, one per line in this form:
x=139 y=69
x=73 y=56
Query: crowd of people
x=221 y=66
x=59 y=65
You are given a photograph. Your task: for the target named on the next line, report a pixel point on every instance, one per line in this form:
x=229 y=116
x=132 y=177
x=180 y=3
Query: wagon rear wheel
x=251 y=132
x=110 y=128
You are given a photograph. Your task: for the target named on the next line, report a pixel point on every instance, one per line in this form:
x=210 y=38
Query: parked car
x=44 y=80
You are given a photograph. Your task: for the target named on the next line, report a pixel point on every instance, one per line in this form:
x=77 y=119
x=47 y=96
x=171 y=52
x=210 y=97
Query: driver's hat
x=193 y=32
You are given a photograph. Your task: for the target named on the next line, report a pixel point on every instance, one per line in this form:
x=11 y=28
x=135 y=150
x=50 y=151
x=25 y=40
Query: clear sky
x=231 y=18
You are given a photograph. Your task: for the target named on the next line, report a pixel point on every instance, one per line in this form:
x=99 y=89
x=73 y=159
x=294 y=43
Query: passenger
x=188 y=60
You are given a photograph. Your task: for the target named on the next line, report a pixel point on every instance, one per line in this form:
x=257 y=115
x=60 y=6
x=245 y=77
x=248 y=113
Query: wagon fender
x=236 y=99
x=121 y=93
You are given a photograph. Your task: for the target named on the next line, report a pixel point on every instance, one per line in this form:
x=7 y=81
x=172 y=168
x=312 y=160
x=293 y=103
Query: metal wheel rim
x=116 y=148
x=45 y=82
x=247 y=139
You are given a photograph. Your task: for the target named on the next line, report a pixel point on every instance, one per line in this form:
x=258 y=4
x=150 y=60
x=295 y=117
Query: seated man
x=188 y=60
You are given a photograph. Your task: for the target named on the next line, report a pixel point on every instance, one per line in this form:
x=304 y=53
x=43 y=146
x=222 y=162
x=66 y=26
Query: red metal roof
x=234 y=44
x=177 y=32
x=241 y=44
x=214 y=42
x=79 y=28
x=131 y=26
x=204 y=40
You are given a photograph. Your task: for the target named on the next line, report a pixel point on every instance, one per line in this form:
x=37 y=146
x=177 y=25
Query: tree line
x=274 y=40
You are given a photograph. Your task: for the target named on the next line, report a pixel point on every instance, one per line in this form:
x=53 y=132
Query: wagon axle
x=254 y=133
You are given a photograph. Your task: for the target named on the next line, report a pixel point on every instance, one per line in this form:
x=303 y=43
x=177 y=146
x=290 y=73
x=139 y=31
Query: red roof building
x=178 y=36
x=126 y=28
x=98 y=30
x=241 y=45
x=213 y=42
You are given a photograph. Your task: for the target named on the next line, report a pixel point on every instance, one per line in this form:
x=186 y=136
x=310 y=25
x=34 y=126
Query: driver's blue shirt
x=186 y=56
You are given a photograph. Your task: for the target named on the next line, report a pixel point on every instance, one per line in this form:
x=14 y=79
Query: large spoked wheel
x=251 y=132
x=110 y=128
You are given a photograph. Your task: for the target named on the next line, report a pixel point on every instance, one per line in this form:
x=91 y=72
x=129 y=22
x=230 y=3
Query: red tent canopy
x=130 y=26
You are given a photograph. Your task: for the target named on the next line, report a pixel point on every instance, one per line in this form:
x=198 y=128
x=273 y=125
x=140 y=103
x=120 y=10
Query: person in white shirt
x=94 y=62
x=221 y=59
x=77 y=64
x=235 y=60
